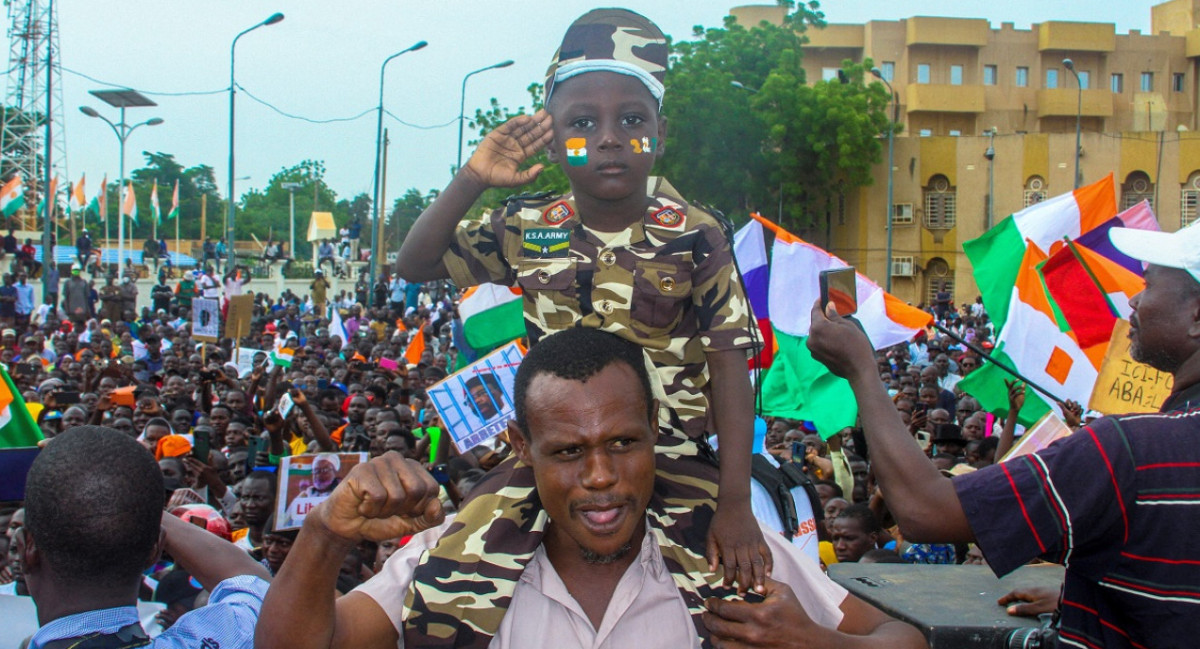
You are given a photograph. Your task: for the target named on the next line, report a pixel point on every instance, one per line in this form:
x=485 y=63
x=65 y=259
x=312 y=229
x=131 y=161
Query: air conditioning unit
x=902 y=266
x=902 y=214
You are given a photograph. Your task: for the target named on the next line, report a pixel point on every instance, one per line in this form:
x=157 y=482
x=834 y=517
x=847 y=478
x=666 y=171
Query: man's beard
x=597 y=559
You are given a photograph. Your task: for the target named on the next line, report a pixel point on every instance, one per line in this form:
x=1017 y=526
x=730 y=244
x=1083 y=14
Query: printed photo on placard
x=476 y=403
x=305 y=481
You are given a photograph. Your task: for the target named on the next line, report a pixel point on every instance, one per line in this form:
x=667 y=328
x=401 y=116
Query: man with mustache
x=600 y=576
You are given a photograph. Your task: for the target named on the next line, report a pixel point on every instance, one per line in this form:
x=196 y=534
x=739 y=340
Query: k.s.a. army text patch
x=546 y=243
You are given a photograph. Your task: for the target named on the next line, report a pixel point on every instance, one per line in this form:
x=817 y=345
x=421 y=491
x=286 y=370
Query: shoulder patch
x=668 y=217
x=557 y=213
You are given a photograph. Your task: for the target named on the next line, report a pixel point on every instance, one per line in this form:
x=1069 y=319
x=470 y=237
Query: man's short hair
x=577 y=354
x=865 y=517
x=93 y=505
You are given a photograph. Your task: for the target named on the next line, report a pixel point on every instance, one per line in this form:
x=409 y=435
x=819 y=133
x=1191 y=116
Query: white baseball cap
x=1180 y=249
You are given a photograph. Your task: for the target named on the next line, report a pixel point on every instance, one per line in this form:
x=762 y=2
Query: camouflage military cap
x=611 y=40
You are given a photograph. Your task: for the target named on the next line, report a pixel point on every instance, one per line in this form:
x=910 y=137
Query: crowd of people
x=628 y=501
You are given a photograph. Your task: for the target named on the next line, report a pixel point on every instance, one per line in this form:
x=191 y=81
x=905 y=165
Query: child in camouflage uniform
x=623 y=252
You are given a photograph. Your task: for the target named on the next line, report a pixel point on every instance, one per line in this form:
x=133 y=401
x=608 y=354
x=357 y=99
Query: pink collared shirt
x=646 y=610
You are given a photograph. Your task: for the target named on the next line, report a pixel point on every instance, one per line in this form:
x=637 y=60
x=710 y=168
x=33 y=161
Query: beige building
x=958 y=79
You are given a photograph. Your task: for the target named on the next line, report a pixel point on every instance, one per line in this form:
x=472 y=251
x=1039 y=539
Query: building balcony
x=1063 y=102
x=927 y=30
x=1076 y=37
x=1193 y=43
x=843 y=37
x=936 y=98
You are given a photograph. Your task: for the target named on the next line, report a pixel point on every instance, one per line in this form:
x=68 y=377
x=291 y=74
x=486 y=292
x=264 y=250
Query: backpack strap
x=773 y=480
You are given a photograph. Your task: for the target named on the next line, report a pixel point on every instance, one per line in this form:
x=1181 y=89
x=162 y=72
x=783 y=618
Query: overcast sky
x=323 y=61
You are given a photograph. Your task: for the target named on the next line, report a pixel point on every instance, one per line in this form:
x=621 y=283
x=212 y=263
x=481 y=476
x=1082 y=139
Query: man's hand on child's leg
x=736 y=541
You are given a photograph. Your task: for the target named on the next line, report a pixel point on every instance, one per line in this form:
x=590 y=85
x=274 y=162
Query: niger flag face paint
x=576 y=151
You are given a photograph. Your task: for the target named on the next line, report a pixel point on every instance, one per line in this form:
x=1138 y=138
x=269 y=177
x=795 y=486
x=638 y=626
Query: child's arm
x=495 y=163
x=734 y=535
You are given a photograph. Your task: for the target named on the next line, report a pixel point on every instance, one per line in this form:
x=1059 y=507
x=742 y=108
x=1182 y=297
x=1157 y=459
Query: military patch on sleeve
x=668 y=217
x=546 y=243
x=557 y=213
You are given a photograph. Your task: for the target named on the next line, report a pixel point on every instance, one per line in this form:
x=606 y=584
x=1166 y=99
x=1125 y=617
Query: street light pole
x=1070 y=65
x=891 y=165
x=375 y=211
x=122 y=130
x=990 y=154
x=462 y=106
x=291 y=190
x=229 y=228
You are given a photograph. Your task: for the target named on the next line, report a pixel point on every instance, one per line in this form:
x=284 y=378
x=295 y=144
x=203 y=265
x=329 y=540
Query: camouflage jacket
x=668 y=283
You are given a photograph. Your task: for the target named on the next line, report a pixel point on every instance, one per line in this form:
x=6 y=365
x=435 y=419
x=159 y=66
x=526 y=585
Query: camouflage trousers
x=462 y=588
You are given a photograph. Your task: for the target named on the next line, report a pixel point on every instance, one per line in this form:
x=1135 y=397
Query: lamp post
x=121 y=99
x=291 y=190
x=1070 y=65
x=990 y=154
x=229 y=227
x=378 y=154
x=462 y=106
x=878 y=74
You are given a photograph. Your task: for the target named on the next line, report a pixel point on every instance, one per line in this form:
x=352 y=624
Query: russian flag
x=750 y=251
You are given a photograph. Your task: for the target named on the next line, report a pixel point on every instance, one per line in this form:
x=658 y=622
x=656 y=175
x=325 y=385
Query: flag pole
x=988 y=357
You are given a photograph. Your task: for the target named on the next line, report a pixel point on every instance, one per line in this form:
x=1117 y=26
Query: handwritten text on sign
x=1125 y=385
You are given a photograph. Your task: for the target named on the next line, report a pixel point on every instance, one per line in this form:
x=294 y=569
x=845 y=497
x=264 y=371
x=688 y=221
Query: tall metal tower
x=33 y=41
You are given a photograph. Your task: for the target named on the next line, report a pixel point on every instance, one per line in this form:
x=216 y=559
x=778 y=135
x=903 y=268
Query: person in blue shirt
x=24 y=304
x=93 y=523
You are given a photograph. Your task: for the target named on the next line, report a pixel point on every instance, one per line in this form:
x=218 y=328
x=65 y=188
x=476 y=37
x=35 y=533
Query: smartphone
x=839 y=286
x=798 y=451
x=25 y=369
x=439 y=473
x=322 y=384
x=201 y=446
x=919 y=409
x=65 y=398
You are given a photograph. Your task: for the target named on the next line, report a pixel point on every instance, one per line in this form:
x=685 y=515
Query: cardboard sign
x=1049 y=429
x=237 y=319
x=206 y=320
x=305 y=481
x=247 y=359
x=476 y=402
x=1125 y=385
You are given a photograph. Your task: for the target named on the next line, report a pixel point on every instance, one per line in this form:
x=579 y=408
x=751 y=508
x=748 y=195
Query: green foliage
x=265 y=213
x=822 y=138
x=405 y=211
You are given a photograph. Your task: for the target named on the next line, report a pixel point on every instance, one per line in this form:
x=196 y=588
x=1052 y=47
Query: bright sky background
x=323 y=62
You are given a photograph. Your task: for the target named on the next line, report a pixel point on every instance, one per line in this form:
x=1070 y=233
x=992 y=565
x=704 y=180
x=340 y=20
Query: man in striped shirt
x=1117 y=502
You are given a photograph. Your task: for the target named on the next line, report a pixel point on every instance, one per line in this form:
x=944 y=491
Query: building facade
x=992 y=112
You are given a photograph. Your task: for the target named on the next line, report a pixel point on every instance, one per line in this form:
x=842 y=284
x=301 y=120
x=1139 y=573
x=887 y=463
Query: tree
x=265 y=213
x=821 y=139
x=195 y=183
x=405 y=211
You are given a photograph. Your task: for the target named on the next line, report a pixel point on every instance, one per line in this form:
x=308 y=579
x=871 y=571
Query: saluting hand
x=498 y=158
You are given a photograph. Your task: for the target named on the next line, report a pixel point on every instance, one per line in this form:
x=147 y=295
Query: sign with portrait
x=305 y=481
x=206 y=320
x=476 y=402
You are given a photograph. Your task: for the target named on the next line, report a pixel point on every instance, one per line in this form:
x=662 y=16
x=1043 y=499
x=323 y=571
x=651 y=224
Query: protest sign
x=249 y=358
x=1045 y=432
x=476 y=402
x=305 y=481
x=206 y=320
x=1125 y=385
x=237 y=319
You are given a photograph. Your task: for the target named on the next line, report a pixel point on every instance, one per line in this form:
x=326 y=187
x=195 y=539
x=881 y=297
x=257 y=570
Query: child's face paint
x=576 y=151
x=645 y=145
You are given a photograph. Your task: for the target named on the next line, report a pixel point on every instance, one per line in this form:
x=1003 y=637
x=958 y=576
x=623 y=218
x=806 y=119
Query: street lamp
x=878 y=74
x=378 y=155
x=291 y=190
x=120 y=99
x=229 y=227
x=462 y=106
x=1070 y=65
x=990 y=154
